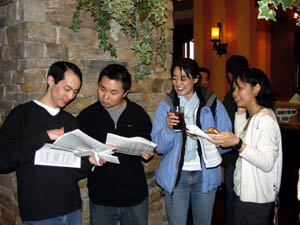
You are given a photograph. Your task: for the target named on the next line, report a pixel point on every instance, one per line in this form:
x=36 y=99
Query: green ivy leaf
x=151 y=14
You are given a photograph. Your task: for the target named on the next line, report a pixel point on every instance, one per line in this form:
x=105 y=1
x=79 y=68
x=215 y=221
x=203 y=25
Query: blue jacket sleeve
x=161 y=134
x=223 y=123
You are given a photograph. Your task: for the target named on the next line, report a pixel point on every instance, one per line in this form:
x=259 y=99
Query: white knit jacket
x=261 y=159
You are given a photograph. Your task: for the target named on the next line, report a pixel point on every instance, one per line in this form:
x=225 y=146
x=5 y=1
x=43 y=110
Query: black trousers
x=250 y=213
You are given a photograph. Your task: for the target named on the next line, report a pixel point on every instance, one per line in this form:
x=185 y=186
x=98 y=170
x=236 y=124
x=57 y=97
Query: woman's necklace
x=259 y=109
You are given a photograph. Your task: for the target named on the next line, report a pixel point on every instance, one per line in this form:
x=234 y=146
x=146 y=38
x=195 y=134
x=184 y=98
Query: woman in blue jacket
x=182 y=172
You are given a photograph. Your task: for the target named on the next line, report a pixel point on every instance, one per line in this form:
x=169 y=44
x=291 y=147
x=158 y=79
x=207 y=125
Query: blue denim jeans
x=189 y=188
x=109 y=215
x=73 y=218
x=228 y=177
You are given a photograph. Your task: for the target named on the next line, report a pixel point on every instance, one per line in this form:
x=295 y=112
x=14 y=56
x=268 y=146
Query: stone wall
x=33 y=35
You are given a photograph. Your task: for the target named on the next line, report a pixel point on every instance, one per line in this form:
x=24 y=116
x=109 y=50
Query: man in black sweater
x=117 y=192
x=46 y=194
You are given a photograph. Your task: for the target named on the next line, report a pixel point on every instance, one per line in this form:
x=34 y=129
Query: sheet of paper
x=110 y=158
x=46 y=156
x=195 y=130
x=80 y=143
x=130 y=146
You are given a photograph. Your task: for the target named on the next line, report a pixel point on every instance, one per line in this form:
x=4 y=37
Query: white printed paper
x=46 y=156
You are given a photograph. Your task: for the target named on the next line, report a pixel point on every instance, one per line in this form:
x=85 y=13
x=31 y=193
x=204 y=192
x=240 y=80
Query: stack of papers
x=68 y=148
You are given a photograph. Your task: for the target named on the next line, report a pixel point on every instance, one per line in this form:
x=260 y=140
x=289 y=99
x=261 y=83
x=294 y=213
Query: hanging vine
x=267 y=8
x=137 y=18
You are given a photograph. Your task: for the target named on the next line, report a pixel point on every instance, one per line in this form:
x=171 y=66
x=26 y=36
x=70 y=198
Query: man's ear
x=125 y=93
x=50 y=80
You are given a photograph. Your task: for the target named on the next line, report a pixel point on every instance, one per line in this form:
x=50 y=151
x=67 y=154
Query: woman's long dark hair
x=265 y=96
x=191 y=68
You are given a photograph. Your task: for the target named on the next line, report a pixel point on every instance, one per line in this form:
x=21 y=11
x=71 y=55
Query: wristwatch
x=238 y=145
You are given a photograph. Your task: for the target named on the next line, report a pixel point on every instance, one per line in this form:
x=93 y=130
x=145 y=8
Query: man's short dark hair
x=57 y=70
x=236 y=63
x=204 y=70
x=117 y=72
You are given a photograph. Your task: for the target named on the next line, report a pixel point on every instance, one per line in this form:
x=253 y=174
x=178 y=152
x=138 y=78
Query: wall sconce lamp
x=215 y=38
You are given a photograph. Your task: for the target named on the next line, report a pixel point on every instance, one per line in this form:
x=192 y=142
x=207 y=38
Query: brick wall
x=33 y=35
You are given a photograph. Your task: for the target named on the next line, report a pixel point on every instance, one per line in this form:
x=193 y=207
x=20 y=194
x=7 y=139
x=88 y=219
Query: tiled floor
x=288 y=212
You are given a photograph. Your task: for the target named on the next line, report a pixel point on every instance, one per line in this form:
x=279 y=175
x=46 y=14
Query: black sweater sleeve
x=15 y=148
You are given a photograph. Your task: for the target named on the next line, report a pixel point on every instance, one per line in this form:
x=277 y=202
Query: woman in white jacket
x=257 y=137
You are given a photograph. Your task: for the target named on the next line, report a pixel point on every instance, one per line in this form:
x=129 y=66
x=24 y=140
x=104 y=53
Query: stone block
x=60 y=17
x=169 y=35
x=7 y=65
x=56 y=51
x=166 y=86
x=154 y=196
x=86 y=21
x=170 y=20
x=80 y=103
x=34 y=50
x=6 y=53
x=3 y=35
x=12 y=88
x=157 y=218
x=89 y=88
x=8 y=215
x=6 y=107
x=6 y=197
x=170 y=5
x=3 y=10
x=153 y=164
x=6 y=180
x=82 y=184
x=71 y=6
x=6 y=77
x=83 y=52
x=3 y=21
x=125 y=54
x=78 y=62
x=30 y=87
x=156 y=85
x=30 y=76
x=12 y=35
x=125 y=41
x=35 y=10
x=10 y=96
x=83 y=37
x=14 y=13
x=90 y=75
x=27 y=96
x=157 y=205
x=33 y=31
x=35 y=63
x=142 y=86
x=98 y=65
x=2 y=91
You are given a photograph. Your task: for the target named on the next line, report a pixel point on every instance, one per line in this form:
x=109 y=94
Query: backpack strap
x=212 y=104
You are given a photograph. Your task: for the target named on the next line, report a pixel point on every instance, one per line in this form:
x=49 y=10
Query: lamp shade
x=215 y=33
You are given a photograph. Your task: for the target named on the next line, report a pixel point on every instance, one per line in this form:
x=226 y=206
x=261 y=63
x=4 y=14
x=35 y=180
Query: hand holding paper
x=210 y=153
